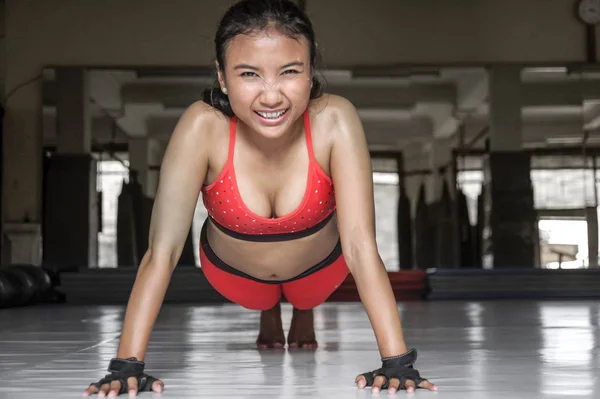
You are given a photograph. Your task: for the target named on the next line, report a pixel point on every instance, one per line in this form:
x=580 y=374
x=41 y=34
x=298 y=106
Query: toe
x=267 y=344
x=309 y=345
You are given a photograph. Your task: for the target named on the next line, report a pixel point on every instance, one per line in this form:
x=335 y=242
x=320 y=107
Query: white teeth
x=271 y=115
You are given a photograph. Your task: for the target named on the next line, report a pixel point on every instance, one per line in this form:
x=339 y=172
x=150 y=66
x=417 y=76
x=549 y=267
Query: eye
x=291 y=72
x=248 y=74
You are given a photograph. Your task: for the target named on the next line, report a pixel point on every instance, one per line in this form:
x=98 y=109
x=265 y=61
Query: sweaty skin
x=271 y=165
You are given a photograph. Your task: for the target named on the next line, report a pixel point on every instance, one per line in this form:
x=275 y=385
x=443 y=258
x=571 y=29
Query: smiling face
x=267 y=77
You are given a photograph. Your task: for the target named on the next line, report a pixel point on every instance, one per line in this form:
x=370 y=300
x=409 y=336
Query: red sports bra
x=229 y=213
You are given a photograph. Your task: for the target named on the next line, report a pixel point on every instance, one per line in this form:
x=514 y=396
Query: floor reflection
x=520 y=349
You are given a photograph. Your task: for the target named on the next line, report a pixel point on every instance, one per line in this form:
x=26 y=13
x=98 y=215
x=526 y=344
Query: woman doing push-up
x=285 y=175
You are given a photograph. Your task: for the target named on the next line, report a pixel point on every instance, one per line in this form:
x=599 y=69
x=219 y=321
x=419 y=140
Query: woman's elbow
x=360 y=252
x=159 y=259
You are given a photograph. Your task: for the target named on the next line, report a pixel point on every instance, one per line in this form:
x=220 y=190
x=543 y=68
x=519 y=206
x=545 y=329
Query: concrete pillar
x=2 y=90
x=73 y=119
x=510 y=231
x=22 y=166
x=71 y=208
x=506 y=122
x=2 y=46
x=591 y=206
x=591 y=216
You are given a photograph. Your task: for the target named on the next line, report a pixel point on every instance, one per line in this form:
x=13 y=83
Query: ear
x=220 y=75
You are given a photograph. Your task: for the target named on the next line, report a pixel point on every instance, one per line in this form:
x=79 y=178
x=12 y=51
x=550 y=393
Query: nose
x=271 y=97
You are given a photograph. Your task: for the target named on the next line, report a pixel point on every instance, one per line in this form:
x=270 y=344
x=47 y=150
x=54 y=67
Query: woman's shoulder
x=201 y=120
x=332 y=108
x=331 y=114
x=204 y=113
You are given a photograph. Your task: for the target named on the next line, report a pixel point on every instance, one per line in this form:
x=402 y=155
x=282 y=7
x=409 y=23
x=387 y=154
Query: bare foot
x=271 y=330
x=302 y=330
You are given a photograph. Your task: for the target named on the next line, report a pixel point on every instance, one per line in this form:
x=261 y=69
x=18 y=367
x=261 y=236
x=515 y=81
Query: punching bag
x=443 y=226
x=422 y=242
x=1 y=177
x=126 y=242
x=465 y=232
x=405 y=246
x=478 y=229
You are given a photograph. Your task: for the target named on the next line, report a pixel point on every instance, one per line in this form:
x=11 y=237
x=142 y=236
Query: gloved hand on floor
x=396 y=372
x=126 y=376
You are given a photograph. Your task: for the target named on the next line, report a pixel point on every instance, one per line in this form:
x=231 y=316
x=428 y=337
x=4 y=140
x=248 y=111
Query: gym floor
x=484 y=350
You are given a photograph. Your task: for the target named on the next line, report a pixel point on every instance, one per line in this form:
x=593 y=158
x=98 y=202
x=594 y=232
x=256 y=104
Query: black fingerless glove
x=400 y=367
x=122 y=369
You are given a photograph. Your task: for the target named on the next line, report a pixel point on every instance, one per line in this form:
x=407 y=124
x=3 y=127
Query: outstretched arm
x=182 y=173
x=353 y=181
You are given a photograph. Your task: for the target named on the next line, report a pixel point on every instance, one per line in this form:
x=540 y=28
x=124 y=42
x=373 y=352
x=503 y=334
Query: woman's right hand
x=114 y=388
x=127 y=376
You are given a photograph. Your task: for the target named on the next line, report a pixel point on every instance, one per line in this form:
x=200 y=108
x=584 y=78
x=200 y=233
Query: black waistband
x=215 y=260
x=273 y=237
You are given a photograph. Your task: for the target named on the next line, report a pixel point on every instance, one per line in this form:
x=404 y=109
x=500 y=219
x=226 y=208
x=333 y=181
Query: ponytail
x=219 y=100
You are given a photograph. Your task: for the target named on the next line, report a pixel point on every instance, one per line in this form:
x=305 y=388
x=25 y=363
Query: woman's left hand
x=396 y=373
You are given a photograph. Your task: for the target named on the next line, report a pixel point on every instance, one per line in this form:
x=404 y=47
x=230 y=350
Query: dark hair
x=248 y=16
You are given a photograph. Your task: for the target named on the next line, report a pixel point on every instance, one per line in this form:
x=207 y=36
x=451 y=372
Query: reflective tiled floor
x=508 y=349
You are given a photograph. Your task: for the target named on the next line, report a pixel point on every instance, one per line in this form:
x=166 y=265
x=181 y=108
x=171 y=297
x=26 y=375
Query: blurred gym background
x=483 y=127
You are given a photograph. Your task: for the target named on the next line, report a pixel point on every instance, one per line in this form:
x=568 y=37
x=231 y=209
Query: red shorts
x=305 y=291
